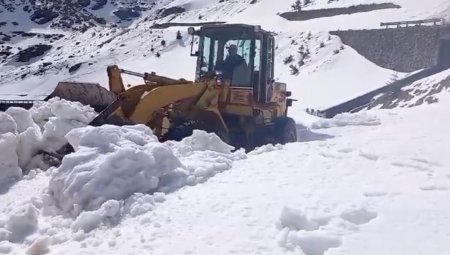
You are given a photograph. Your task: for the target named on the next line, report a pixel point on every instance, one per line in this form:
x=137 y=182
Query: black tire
x=285 y=130
x=178 y=133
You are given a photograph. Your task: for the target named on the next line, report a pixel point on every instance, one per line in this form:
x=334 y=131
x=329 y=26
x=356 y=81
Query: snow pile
x=204 y=155
x=113 y=163
x=348 y=119
x=110 y=162
x=9 y=166
x=23 y=133
x=20 y=224
x=57 y=117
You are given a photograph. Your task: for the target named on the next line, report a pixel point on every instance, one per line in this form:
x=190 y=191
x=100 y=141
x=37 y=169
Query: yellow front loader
x=242 y=104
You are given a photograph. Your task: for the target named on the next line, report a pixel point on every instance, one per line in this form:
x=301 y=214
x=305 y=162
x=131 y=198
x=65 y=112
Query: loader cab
x=242 y=54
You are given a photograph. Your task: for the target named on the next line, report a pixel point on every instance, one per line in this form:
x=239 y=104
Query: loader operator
x=232 y=61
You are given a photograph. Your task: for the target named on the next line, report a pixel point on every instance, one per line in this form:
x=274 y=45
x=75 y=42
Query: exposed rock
x=32 y=52
x=99 y=4
x=6 y=38
x=75 y=67
x=101 y=21
x=42 y=16
x=5 y=53
x=84 y=3
x=169 y=11
x=127 y=13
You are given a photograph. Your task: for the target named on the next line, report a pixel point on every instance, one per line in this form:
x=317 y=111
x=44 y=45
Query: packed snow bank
x=9 y=166
x=113 y=163
x=348 y=119
x=203 y=155
x=23 y=133
x=110 y=162
x=57 y=117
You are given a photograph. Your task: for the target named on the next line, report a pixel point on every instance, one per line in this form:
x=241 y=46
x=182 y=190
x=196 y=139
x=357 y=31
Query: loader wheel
x=178 y=133
x=285 y=131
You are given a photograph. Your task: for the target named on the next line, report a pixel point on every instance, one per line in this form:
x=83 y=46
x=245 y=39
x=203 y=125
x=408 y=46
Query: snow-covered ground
x=354 y=184
x=374 y=182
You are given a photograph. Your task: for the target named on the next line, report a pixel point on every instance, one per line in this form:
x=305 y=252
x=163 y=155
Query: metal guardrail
x=17 y=101
x=408 y=23
x=5 y=104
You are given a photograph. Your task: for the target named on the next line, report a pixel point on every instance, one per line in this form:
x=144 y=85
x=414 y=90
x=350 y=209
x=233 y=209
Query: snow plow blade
x=86 y=93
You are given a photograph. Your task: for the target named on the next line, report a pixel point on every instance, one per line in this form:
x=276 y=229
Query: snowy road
x=360 y=186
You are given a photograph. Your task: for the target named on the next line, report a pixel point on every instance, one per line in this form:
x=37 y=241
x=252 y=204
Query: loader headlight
x=219 y=78
x=191 y=30
x=219 y=81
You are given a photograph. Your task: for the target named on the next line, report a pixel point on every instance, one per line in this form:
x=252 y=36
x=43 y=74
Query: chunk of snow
x=29 y=145
x=22 y=223
x=7 y=124
x=5 y=247
x=203 y=155
x=22 y=118
x=159 y=197
x=313 y=243
x=55 y=130
x=24 y=133
x=359 y=216
x=57 y=117
x=110 y=162
x=4 y=234
x=9 y=161
x=295 y=219
x=203 y=141
x=64 y=109
x=87 y=221
x=139 y=204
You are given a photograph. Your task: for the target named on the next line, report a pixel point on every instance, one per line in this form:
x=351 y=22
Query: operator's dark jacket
x=231 y=62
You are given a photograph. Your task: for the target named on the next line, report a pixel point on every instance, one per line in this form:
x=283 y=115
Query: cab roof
x=255 y=28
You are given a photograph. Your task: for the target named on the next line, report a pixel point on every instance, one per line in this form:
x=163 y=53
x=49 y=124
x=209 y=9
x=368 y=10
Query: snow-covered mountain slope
x=420 y=92
x=323 y=81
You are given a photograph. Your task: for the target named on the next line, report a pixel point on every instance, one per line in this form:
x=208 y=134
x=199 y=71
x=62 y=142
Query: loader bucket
x=86 y=93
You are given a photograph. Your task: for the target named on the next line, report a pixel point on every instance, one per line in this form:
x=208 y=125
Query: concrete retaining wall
x=400 y=49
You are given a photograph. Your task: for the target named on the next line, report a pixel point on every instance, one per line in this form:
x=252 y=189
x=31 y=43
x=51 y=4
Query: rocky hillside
x=76 y=14
x=44 y=42
x=57 y=38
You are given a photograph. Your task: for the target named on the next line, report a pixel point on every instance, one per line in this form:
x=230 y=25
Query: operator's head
x=232 y=49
